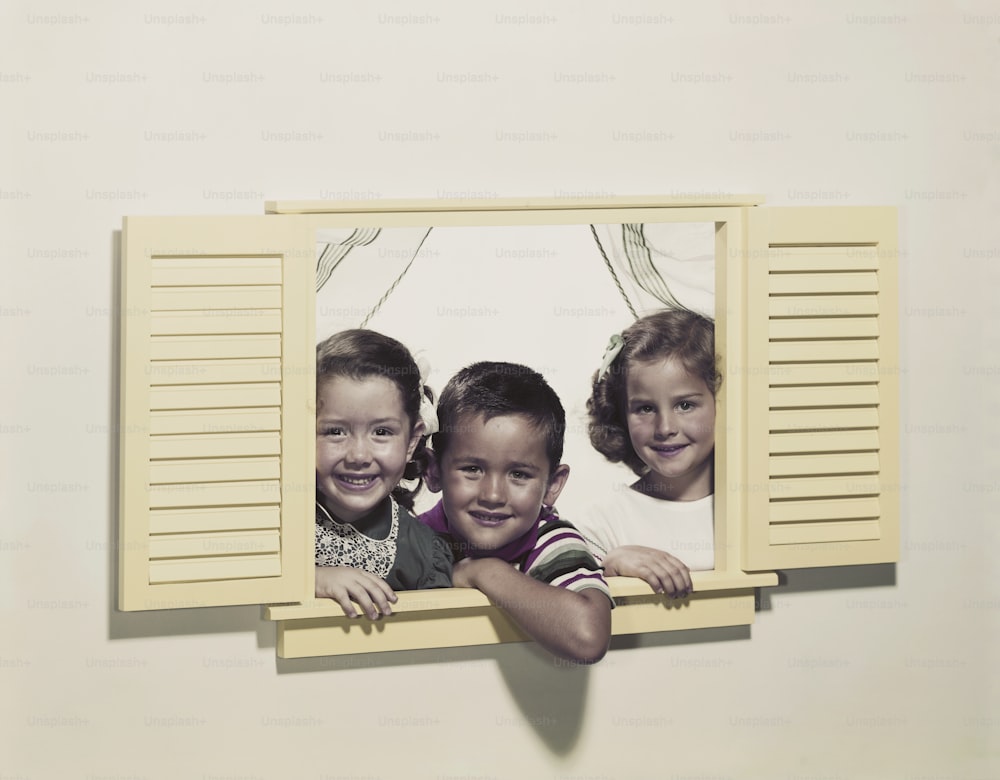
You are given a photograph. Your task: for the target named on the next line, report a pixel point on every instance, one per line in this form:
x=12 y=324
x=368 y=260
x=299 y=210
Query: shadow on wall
x=876 y=575
x=550 y=693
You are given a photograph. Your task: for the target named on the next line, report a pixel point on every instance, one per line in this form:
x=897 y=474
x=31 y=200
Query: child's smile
x=359 y=483
x=671 y=453
x=490 y=519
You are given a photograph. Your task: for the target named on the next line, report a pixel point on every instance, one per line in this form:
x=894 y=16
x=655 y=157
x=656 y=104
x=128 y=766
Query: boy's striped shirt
x=553 y=551
x=560 y=557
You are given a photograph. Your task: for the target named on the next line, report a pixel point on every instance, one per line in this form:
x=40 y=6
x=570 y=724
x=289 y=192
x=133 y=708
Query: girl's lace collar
x=341 y=544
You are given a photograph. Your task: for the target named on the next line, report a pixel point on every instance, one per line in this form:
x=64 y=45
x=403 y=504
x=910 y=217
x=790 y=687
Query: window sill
x=459 y=617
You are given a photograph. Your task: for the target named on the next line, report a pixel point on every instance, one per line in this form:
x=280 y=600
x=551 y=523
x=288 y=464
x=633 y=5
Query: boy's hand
x=663 y=572
x=464 y=573
x=344 y=585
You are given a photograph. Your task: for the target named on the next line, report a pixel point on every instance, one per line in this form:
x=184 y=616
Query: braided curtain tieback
x=636 y=250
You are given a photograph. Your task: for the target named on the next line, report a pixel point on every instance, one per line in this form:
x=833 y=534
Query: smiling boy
x=497 y=465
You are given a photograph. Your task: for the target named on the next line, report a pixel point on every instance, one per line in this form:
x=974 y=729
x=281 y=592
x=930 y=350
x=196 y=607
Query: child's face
x=495 y=476
x=363 y=441
x=671 y=423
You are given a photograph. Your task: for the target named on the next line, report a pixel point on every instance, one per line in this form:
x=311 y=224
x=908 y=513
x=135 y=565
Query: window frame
x=722 y=597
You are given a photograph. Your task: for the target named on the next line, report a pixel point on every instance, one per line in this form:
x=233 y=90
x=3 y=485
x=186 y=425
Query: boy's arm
x=570 y=624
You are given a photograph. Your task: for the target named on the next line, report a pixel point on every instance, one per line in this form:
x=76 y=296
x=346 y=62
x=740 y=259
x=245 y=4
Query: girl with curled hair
x=652 y=407
x=373 y=417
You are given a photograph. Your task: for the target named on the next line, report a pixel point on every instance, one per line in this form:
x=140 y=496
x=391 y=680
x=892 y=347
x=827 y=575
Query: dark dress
x=419 y=557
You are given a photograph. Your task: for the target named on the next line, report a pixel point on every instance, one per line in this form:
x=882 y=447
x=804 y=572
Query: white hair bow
x=610 y=353
x=428 y=410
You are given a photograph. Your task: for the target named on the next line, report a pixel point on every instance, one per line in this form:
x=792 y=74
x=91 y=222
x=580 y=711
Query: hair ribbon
x=612 y=351
x=428 y=409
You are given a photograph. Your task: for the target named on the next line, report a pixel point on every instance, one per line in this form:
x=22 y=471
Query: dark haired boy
x=497 y=466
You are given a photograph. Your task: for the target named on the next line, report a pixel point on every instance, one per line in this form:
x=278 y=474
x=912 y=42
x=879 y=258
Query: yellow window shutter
x=822 y=388
x=216 y=425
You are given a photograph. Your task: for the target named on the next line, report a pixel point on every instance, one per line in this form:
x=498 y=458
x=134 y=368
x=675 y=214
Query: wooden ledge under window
x=459 y=617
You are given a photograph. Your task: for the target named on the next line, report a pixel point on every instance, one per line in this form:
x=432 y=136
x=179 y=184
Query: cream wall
x=115 y=109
